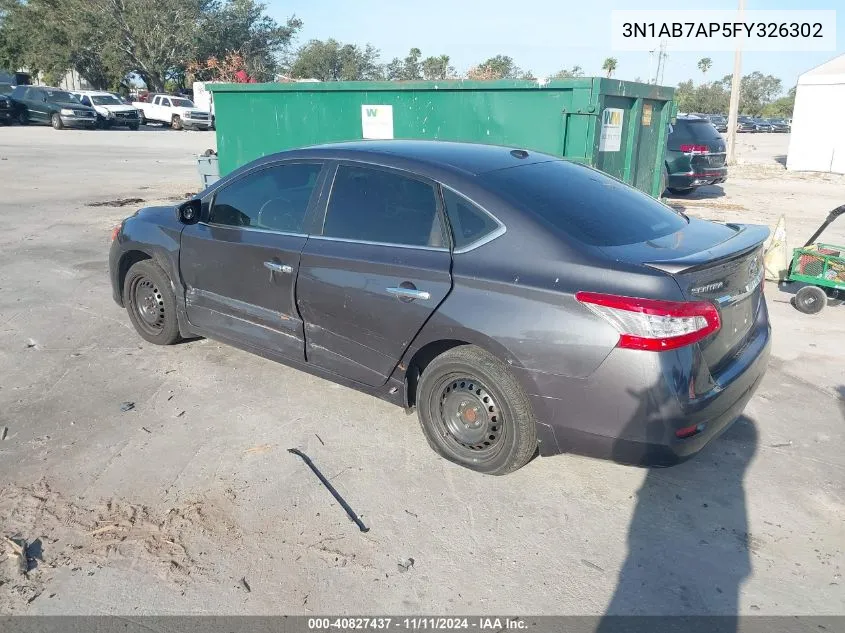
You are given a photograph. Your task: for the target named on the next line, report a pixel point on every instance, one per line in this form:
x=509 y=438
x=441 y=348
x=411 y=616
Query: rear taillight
x=694 y=149
x=651 y=324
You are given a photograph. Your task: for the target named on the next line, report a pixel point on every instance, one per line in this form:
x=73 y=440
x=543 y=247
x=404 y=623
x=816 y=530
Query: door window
x=275 y=198
x=375 y=205
x=86 y=100
x=165 y=102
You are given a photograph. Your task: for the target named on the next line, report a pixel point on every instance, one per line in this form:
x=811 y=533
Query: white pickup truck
x=177 y=112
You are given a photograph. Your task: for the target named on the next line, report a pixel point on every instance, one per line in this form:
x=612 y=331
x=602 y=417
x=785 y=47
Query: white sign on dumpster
x=377 y=121
x=611 y=129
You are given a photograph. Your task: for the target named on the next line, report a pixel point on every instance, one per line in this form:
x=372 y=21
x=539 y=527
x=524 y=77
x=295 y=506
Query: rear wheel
x=151 y=304
x=473 y=412
x=810 y=300
x=56 y=122
x=176 y=122
x=134 y=127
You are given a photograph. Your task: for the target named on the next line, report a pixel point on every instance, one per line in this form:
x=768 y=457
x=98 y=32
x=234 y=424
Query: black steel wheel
x=474 y=413
x=810 y=299
x=151 y=304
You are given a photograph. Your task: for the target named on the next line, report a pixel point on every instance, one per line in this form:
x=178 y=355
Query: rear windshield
x=695 y=130
x=584 y=203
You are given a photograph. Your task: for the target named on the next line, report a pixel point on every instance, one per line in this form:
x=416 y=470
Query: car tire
x=135 y=127
x=664 y=180
x=680 y=192
x=453 y=388
x=56 y=122
x=23 y=119
x=176 y=122
x=810 y=299
x=151 y=303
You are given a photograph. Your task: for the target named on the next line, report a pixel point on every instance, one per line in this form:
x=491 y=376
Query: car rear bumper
x=698 y=177
x=632 y=408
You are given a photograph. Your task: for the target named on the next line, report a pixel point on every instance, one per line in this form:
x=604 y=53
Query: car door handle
x=409 y=293
x=278 y=268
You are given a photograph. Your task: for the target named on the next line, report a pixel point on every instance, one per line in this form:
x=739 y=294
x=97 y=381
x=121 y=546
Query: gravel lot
x=190 y=503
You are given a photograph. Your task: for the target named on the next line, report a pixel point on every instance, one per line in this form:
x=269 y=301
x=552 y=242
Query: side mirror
x=189 y=212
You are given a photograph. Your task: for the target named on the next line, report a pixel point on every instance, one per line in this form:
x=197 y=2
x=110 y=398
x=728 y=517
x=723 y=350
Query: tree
x=575 y=71
x=781 y=108
x=756 y=90
x=332 y=61
x=436 y=68
x=498 y=67
x=408 y=69
x=242 y=27
x=704 y=64
x=609 y=66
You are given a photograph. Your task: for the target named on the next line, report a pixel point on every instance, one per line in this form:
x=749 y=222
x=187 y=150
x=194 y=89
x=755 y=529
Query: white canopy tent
x=817 y=141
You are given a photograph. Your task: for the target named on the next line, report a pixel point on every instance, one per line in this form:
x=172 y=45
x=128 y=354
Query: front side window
x=375 y=205
x=275 y=198
x=469 y=223
x=105 y=100
x=165 y=102
x=60 y=96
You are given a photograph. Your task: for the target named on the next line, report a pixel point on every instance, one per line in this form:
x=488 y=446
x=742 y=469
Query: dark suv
x=54 y=106
x=695 y=155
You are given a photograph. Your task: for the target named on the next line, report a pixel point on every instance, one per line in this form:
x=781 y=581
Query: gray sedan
x=521 y=303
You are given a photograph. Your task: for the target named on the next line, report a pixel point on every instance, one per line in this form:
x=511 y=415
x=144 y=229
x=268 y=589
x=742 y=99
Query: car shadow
x=840 y=390
x=689 y=546
x=707 y=192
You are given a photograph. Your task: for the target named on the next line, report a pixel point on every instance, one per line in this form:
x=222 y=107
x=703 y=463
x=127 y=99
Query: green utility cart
x=821 y=267
x=619 y=127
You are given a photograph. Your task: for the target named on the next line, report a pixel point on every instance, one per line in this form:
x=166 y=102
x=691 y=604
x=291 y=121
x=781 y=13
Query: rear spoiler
x=748 y=237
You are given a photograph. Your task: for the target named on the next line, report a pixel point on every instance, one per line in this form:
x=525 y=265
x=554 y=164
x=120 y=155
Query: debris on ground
x=120 y=202
x=405 y=565
x=4 y=432
x=30 y=343
x=245 y=585
x=413 y=514
x=261 y=448
x=349 y=511
x=127 y=406
x=321 y=439
x=781 y=444
x=145 y=429
x=18 y=551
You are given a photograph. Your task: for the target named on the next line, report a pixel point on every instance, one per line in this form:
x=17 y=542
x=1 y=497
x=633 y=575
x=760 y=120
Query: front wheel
x=142 y=120
x=56 y=122
x=176 y=122
x=473 y=412
x=23 y=119
x=151 y=303
x=135 y=127
x=810 y=299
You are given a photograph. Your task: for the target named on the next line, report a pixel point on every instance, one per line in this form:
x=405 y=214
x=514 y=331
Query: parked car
x=111 y=111
x=762 y=125
x=177 y=112
x=695 y=155
x=7 y=108
x=518 y=301
x=719 y=122
x=746 y=124
x=53 y=106
x=778 y=125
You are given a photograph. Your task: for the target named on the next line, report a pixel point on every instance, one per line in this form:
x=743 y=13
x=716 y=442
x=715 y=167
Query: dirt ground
x=149 y=480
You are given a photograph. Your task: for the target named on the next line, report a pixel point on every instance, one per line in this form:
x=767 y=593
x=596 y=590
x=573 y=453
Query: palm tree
x=704 y=64
x=609 y=66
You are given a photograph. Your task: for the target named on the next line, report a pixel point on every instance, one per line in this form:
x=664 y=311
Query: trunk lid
x=719 y=263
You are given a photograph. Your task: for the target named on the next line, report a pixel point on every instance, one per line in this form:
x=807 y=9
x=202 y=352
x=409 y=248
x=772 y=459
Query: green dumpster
x=617 y=126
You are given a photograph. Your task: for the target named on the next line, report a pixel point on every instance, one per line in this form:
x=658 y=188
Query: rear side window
x=585 y=204
x=469 y=223
x=375 y=205
x=274 y=199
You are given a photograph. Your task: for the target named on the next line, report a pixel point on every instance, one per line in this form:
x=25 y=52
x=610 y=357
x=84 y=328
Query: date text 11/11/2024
x=416 y=623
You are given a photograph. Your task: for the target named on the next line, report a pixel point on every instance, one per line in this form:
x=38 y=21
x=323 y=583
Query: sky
x=540 y=35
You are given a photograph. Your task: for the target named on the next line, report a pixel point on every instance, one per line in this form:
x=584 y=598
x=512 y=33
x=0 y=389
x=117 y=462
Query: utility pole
x=733 y=112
